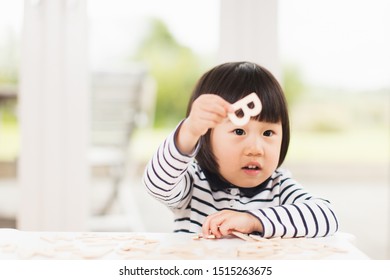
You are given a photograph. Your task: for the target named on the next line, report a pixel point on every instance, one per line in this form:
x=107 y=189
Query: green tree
x=175 y=68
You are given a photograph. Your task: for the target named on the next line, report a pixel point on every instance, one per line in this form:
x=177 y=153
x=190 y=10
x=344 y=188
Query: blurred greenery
x=9 y=141
x=9 y=59
x=292 y=84
x=175 y=68
x=8 y=77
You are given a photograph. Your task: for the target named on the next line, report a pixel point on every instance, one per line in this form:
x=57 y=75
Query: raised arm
x=165 y=176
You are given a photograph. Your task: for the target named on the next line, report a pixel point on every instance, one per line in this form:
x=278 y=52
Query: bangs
x=273 y=109
x=232 y=84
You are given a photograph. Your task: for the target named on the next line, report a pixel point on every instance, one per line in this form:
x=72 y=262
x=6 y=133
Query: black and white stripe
x=283 y=207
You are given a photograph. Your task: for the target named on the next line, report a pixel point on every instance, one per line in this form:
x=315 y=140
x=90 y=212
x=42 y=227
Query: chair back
x=115 y=106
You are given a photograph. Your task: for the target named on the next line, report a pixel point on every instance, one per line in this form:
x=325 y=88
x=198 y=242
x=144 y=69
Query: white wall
x=53 y=114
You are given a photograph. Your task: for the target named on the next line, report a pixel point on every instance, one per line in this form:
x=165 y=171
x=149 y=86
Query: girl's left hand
x=224 y=222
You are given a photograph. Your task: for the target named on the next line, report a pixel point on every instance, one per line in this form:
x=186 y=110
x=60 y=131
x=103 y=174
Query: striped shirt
x=283 y=207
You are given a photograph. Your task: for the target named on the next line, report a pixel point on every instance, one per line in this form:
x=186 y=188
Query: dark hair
x=233 y=81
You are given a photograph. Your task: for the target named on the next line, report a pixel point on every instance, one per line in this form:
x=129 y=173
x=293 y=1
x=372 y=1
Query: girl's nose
x=254 y=146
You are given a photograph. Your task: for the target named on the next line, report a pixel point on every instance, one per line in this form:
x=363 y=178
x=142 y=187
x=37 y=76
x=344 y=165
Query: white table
x=15 y=244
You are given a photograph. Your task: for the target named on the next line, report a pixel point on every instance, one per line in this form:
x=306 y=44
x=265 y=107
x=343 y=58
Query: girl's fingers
x=224 y=229
x=213 y=119
x=224 y=222
x=214 y=229
x=207 y=111
x=229 y=108
x=214 y=224
x=213 y=103
x=202 y=121
x=208 y=224
x=206 y=228
x=215 y=109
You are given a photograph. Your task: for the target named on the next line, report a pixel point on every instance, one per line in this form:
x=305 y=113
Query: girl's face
x=247 y=155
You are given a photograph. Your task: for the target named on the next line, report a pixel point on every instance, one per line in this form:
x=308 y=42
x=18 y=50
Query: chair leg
x=116 y=173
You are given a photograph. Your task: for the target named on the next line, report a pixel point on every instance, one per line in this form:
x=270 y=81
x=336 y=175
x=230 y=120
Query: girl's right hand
x=207 y=111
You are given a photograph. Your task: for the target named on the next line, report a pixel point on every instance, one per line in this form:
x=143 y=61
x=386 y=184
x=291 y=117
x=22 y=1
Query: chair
x=121 y=101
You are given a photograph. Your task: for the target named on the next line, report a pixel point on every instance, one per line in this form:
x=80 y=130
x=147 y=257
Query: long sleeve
x=299 y=214
x=165 y=176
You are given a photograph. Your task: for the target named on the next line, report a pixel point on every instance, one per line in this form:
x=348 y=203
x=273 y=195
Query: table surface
x=15 y=244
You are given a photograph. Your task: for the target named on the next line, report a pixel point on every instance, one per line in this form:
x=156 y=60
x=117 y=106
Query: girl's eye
x=239 y=131
x=268 y=133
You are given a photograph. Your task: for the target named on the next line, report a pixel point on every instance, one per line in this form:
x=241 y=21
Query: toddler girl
x=218 y=177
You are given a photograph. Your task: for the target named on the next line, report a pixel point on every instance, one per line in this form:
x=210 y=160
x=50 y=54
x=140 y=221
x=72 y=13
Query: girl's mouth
x=252 y=169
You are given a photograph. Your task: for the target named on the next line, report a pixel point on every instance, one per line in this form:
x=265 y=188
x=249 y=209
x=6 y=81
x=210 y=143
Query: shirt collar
x=217 y=183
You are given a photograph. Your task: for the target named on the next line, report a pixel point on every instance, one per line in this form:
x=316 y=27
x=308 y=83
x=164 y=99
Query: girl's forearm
x=164 y=176
x=185 y=140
